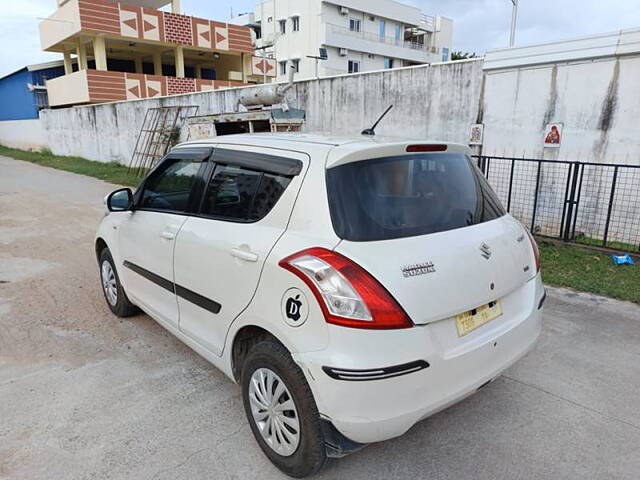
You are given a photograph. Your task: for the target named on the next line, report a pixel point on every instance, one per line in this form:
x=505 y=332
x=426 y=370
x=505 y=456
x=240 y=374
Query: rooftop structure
x=612 y=44
x=134 y=50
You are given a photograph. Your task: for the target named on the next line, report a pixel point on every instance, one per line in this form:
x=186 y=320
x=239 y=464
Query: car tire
x=114 y=294
x=309 y=456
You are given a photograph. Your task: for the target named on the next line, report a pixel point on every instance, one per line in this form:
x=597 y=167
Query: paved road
x=84 y=395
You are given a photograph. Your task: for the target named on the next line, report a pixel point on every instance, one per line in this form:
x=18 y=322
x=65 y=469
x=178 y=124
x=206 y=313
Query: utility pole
x=514 y=20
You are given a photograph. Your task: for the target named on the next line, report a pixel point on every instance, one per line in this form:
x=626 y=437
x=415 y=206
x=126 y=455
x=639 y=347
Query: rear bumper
x=377 y=409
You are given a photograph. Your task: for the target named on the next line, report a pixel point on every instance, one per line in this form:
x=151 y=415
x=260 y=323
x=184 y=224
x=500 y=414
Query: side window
x=242 y=195
x=169 y=188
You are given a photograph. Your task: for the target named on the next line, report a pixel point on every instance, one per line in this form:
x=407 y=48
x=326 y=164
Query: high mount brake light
x=347 y=294
x=536 y=250
x=426 y=148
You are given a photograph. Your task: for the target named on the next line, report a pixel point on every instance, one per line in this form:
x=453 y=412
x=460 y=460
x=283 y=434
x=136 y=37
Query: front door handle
x=244 y=254
x=168 y=235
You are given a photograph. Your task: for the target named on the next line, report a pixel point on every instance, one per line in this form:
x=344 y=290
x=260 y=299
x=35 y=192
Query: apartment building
x=357 y=35
x=125 y=51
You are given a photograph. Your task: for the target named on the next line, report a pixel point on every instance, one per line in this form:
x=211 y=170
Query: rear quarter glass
x=408 y=195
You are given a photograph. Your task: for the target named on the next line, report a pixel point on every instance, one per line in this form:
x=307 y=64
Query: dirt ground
x=84 y=395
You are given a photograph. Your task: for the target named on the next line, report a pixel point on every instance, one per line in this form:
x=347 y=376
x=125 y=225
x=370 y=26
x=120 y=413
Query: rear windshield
x=409 y=195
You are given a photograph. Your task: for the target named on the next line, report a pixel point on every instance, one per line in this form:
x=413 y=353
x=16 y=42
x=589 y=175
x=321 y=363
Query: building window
x=296 y=64
x=283 y=67
x=388 y=63
x=354 y=25
x=354 y=66
x=270 y=19
x=383 y=29
x=283 y=26
x=398 y=33
x=445 y=54
x=296 y=23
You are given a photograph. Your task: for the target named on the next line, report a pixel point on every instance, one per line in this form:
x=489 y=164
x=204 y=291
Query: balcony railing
x=138 y=23
x=95 y=86
x=372 y=37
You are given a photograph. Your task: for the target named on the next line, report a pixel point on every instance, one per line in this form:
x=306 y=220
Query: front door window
x=169 y=188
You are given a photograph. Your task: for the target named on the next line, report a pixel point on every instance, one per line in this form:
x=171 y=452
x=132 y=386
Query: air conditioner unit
x=344 y=52
x=344 y=11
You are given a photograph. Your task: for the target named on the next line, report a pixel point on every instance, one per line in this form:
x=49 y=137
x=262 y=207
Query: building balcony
x=95 y=86
x=139 y=23
x=119 y=45
x=342 y=37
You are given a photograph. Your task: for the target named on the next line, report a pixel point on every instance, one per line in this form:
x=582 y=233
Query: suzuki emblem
x=485 y=250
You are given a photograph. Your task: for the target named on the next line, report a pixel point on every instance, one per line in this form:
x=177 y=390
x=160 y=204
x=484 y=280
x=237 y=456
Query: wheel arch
x=245 y=338
x=100 y=245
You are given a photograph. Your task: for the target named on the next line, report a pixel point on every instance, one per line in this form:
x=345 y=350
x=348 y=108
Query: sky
x=478 y=24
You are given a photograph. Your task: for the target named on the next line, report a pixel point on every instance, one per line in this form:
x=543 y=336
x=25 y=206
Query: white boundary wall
x=588 y=84
x=438 y=102
x=24 y=134
x=597 y=100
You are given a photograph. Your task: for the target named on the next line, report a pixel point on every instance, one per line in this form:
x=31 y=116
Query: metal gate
x=591 y=203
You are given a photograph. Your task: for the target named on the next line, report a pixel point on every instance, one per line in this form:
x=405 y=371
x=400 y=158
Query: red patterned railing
x=130 y=21
x=118 y=86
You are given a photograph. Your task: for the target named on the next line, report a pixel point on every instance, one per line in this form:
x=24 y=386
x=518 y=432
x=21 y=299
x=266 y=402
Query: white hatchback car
x=352 y=287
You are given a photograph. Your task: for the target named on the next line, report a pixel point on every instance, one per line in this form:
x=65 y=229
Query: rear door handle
x=246 y=255
x=168 y=235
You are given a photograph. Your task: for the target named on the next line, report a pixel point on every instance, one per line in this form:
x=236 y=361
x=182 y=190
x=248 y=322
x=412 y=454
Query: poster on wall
x=476 y=134
x=553 y=135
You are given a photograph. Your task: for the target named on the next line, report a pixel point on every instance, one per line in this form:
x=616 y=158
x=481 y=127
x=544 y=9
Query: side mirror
x=120 y=200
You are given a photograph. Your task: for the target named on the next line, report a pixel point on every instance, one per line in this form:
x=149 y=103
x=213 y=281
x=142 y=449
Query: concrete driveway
x=84 y=395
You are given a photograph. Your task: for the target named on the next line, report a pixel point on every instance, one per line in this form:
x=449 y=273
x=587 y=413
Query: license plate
x=469 y=321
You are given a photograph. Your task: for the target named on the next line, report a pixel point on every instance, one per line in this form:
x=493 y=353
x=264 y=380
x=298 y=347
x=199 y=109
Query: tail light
x=536 y=250
x=347 y=294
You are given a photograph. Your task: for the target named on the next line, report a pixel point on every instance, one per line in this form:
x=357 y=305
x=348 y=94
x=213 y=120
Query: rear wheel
x=281 y=410
x=114 y=294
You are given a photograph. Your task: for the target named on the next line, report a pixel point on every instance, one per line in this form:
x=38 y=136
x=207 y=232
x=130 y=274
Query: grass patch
x=589 y=271
x=109 y=172
x=623 y=247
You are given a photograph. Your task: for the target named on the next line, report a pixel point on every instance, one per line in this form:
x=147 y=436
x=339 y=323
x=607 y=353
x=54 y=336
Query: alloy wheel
x=109 y=283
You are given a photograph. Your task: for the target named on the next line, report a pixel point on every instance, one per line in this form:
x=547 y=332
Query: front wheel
x=114 y=294
x=281 y=410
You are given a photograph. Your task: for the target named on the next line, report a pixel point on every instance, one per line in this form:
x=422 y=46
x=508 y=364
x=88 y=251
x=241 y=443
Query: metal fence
x=591 y=203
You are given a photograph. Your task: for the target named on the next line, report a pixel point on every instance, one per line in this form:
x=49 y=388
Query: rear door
x=220 y=252
x=148 y=233
x=430 y=229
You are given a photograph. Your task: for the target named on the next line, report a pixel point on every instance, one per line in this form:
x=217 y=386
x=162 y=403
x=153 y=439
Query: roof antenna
x=372 y=131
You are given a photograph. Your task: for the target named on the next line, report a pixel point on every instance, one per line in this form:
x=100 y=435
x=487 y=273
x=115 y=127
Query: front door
x=147 y=236
x=220 y=253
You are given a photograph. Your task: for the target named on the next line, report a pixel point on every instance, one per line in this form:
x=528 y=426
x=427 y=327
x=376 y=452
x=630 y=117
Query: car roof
x=340 y=146
x=260 y=139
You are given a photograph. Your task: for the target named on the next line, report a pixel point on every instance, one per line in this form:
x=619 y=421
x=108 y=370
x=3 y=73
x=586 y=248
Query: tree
x=462 y=56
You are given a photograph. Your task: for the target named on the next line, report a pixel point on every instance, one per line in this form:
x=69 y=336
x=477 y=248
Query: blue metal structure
x=17 y=100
